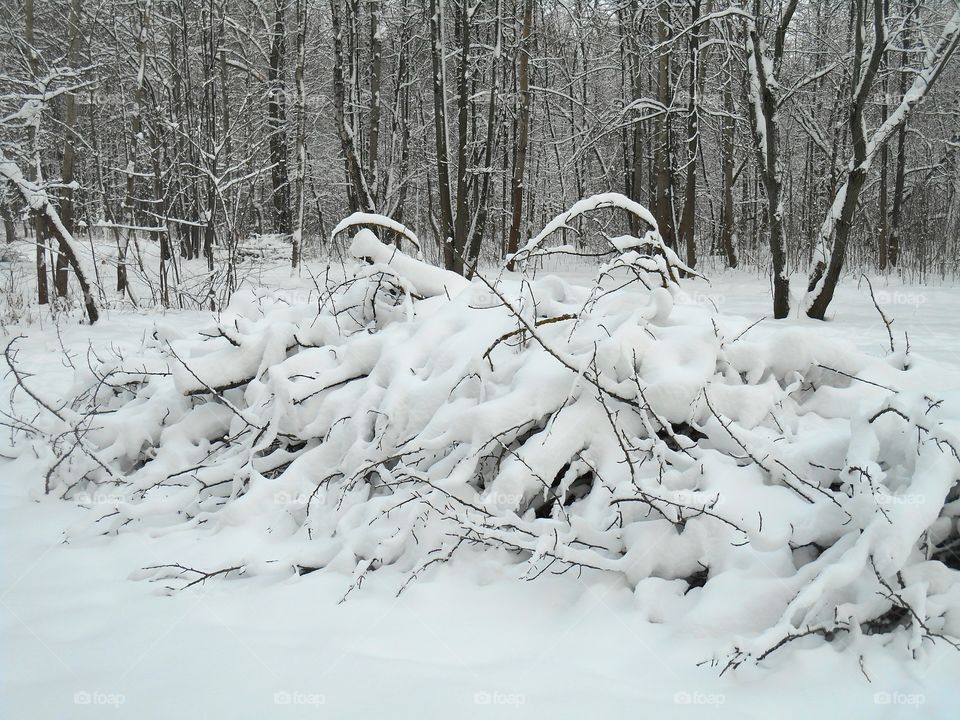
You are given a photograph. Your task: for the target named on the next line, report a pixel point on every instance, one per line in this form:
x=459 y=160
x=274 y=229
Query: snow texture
x=764 y=488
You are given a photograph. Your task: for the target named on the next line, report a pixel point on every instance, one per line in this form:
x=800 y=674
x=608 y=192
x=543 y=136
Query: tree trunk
x=9 y=227
x=45 y=214
x=523 y=132
x=896 y=215
x=358 y=193
x=883 y=239
x=441 y=135
x=686 y=236
x=69 y=150
x=276 y=110
x=826 y=272
x=39 y=223
x=728 y=136
x=297 y=240
x=373 y=134
x=461 y=219
x=663 y=195
x=482 y=195
x=765 y=103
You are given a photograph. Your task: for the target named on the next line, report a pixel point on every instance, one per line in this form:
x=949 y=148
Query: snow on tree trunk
x=39 y=202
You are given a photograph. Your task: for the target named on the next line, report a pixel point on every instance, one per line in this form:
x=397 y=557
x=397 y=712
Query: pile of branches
x=777 y=485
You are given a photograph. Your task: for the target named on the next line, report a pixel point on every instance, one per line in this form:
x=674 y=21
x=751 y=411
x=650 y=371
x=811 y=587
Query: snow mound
x=760 y=491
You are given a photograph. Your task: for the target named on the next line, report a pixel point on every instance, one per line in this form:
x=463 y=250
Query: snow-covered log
x=424 y=280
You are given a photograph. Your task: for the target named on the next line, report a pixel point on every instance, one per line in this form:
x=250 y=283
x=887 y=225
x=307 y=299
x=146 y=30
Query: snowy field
x=81 y=638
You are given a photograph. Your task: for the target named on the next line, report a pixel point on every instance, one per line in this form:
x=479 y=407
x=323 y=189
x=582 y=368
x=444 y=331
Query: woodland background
x=172 y=130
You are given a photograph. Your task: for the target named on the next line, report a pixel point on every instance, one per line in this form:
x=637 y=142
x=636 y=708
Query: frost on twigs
x=765 y=487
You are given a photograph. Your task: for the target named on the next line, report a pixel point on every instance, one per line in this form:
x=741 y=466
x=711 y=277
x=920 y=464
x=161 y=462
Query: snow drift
x=758 y=490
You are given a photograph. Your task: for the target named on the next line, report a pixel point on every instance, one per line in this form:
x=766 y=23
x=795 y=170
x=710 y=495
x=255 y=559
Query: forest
x=452 y=358
x=808 y=137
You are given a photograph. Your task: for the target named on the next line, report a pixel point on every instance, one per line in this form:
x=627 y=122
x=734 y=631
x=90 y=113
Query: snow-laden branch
x=590 y=204
x=361 y=219
x=422 y=279
x=409 y=415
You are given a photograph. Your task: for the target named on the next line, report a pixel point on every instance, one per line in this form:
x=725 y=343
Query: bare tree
x=763 y=94
x=865 y=62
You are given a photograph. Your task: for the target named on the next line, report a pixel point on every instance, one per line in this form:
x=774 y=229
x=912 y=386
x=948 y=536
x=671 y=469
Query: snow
x=36 y=198
x=470 y=639
x=440 y=650
x=423 y=280
x=934 y=60
x=362 y=218
x=598 y=202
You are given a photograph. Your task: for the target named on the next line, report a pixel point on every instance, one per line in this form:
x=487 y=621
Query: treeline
x=813 y=135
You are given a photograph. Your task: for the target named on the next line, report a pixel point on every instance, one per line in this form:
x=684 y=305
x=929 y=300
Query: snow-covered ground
x=79 y=638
